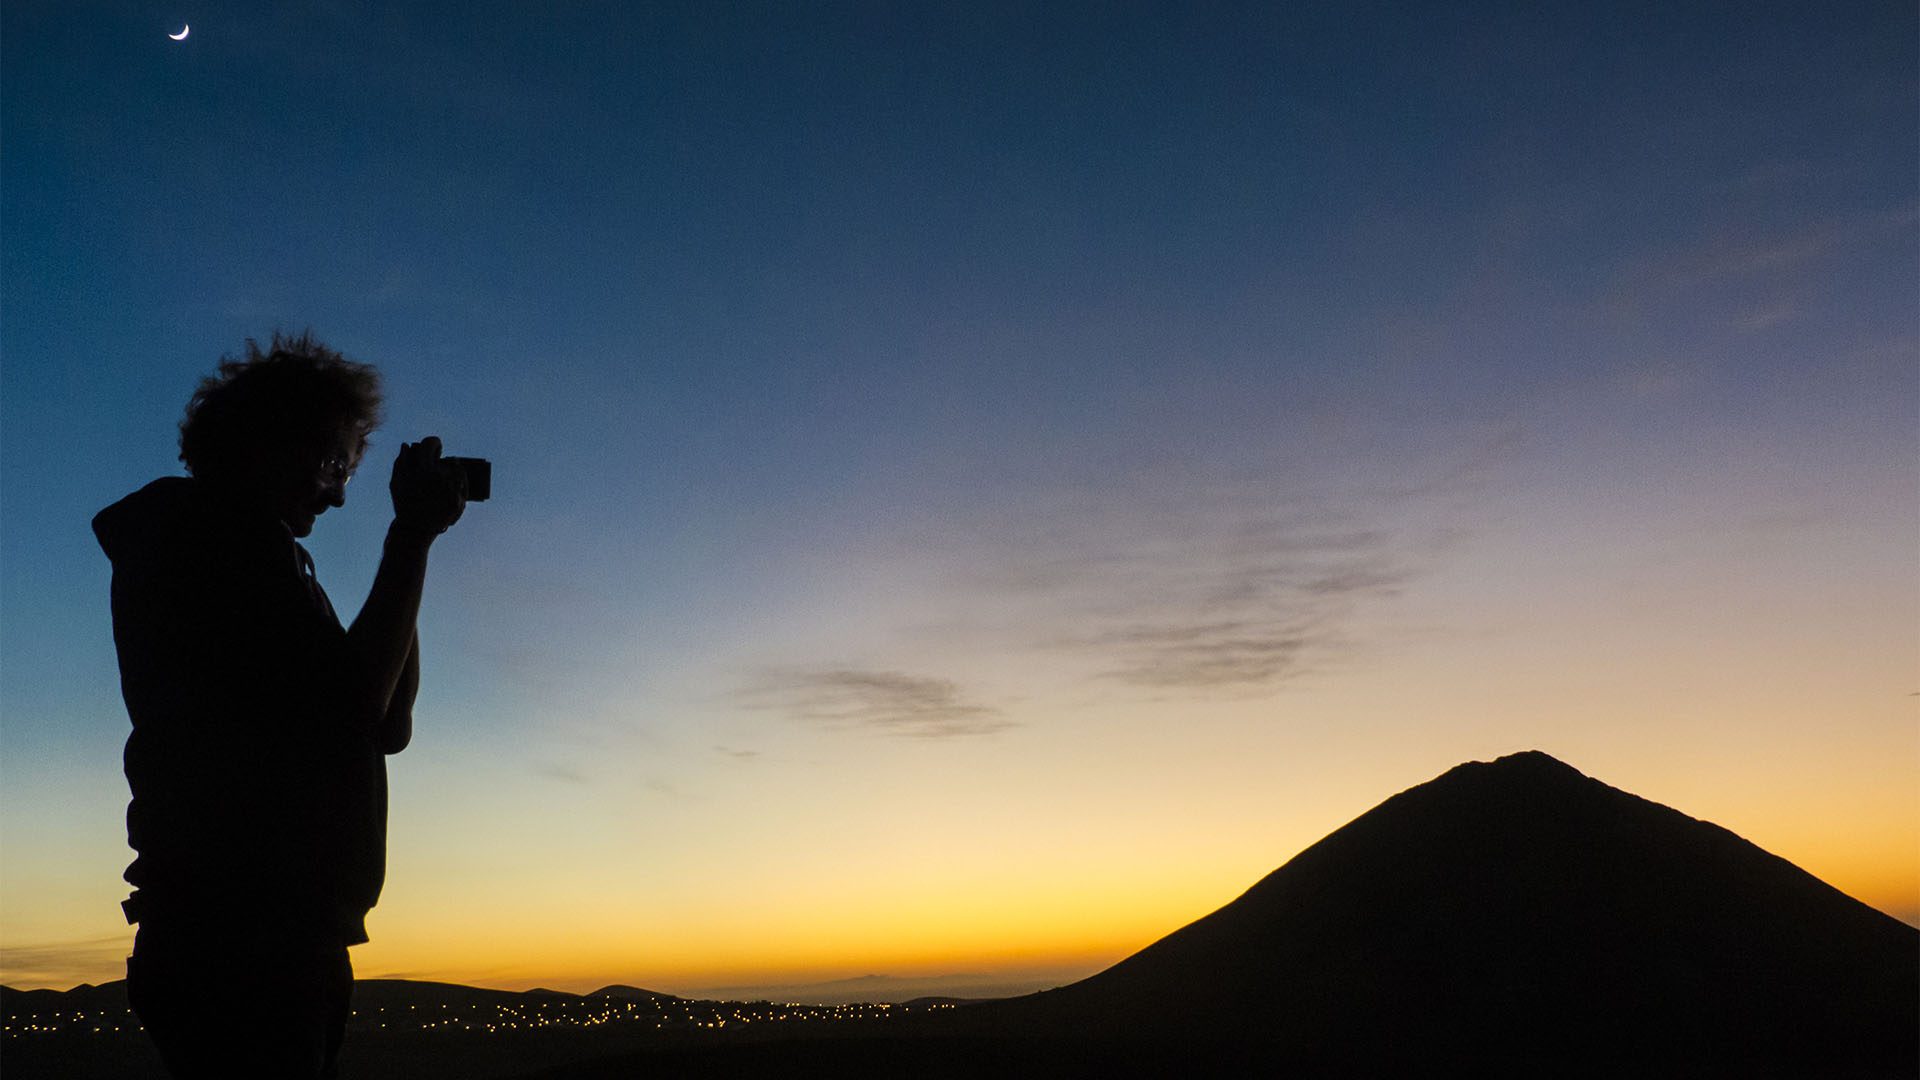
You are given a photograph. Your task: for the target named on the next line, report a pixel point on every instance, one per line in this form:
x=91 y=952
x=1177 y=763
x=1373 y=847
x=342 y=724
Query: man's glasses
x=335 y=469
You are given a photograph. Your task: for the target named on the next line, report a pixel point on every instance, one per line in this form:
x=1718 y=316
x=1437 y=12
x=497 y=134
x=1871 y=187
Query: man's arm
x=382 y=641
x=396 y=729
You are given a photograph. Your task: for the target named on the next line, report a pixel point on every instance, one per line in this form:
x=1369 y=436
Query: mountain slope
x=1520 y=911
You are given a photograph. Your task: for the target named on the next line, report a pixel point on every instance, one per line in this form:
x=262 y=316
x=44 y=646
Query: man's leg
x=252 y=1005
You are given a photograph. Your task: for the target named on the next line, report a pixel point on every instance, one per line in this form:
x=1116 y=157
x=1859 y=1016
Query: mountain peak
x=1523 y=905
x=1528 y=769
x=1537 y=762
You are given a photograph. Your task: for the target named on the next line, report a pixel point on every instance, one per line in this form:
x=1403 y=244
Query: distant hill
x=888 y=988
x=370 y=994
x=85 y=996
x=1522 y=913
x=623 y=992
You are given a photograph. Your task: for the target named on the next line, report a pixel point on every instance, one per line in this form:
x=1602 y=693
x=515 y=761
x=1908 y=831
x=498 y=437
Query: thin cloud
x=65 y=964
x=1757 y=281
x=1240 y=611
x=661 y=787
x=889 y=702
x=1782 y=251
x=1768 y=255
x=1356 y=580
x=1766 y=316
x=563 y=773
x=1203 y=656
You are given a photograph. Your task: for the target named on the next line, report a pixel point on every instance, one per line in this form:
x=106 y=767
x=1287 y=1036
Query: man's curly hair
x=268 y=403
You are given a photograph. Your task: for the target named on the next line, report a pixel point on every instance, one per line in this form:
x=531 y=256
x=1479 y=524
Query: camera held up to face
x=479 y=476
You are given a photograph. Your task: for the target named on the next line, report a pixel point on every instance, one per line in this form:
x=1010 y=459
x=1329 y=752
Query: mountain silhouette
x=1519 y=912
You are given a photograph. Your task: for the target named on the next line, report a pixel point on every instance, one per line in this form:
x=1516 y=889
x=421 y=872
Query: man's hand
x=428 y=494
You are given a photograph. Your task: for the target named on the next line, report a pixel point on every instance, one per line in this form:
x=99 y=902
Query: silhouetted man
x=259 y=724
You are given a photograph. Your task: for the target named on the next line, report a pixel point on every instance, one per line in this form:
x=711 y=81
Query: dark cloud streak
x=890 y=702
x=1242 y=611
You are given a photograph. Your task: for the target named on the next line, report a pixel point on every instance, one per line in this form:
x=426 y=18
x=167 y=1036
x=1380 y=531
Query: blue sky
x=985 y=412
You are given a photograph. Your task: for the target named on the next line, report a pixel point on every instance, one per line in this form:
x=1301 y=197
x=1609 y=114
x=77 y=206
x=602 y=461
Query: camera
x=479 y=476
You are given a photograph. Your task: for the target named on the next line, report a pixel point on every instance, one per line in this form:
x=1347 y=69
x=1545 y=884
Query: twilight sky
x=977 y=485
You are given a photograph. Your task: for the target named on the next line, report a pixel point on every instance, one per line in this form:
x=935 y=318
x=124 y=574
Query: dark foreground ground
x=859 y=1050
x=851 y=1049
x=435 y=1031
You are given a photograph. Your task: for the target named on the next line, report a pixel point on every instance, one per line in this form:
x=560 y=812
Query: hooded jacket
x=256 y=804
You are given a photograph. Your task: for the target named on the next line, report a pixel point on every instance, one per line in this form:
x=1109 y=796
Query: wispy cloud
x=1228 y=586
x=1764 y=316
x=890 y=702
x=1764 y=255
x=563 y=773
x=1236 y=653
x=65 y=964
x=1242 y=611
x=1756 y=278
x=660 y=786
x=1200 y=594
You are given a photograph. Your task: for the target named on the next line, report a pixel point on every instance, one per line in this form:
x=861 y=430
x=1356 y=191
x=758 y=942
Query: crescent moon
x=182 y=35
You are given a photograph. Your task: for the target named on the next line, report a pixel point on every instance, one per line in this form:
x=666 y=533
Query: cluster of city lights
x=595 y=1012
x=672 y=1013
x=99 y=1022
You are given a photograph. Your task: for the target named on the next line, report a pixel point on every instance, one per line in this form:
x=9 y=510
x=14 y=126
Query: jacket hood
x=170 y=511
